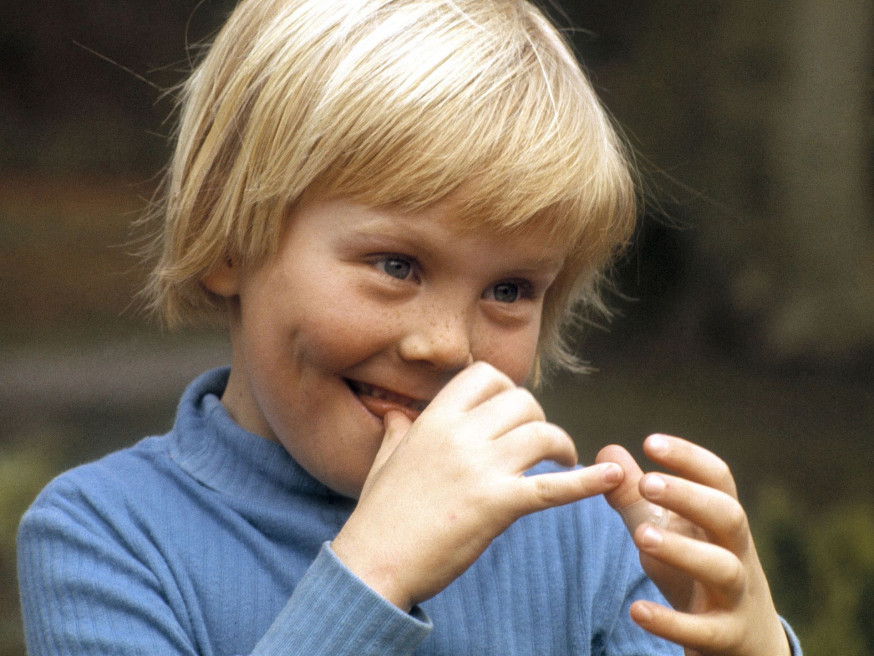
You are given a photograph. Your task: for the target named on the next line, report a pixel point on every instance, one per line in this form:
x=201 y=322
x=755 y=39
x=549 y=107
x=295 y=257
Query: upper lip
x=377 y=392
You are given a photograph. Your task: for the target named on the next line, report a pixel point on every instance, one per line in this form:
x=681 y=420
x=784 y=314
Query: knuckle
x=545 y=491
x=525 y=394
x=736 y=521
x=714 y=636
x=734 y=577
x=523 y=398
x=553 y=441
x=723 y=476
x=719 y=637
x=484 y=368
x=481 y=365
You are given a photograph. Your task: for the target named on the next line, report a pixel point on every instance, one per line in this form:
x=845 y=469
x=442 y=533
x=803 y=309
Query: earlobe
x=223 y=280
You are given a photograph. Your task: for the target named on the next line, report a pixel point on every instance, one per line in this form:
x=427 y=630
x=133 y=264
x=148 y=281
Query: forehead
x=531 y=238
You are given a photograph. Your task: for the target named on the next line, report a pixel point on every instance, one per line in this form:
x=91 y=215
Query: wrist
x=776 y=642
x=377 y=571
x=781 y=642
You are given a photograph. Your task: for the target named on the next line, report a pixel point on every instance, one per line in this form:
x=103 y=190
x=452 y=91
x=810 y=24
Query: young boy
x=396 y=204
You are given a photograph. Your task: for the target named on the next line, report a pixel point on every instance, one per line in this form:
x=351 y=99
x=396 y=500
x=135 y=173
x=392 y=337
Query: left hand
x=704 y=562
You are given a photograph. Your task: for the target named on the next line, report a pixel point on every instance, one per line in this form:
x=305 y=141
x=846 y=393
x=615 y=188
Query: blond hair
x=391 y=102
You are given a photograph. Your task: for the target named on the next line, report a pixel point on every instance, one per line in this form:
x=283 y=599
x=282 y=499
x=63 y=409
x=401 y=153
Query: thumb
x=397 y=425
x=626 y=498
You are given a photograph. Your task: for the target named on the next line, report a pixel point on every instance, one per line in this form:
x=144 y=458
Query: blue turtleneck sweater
x=211 y=540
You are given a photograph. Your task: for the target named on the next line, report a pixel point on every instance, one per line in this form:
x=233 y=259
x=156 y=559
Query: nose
x=439 y=336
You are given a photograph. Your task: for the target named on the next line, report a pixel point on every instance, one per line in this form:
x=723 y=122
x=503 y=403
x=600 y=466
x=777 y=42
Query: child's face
x=363 y=311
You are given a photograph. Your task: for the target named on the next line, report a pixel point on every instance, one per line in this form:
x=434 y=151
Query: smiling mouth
x=380 y=401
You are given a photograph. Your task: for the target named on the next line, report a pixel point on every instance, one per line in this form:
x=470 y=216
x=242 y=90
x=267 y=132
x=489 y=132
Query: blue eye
x=396 y=267
x=505 y=292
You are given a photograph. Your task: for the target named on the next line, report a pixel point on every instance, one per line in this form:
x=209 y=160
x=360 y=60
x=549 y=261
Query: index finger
x=690 y=461
x=542 y=491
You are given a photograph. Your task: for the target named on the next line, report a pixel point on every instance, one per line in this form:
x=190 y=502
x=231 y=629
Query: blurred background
x=745 y=312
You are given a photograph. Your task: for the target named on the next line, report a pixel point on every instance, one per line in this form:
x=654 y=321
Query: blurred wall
x=752 y=122
x=746 y=305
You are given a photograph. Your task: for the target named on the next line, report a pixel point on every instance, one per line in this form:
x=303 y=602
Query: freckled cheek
x=512 y=354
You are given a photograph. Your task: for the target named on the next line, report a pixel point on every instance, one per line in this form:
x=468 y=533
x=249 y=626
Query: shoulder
x=104 y=492
x=130 y=481
x=116 y=472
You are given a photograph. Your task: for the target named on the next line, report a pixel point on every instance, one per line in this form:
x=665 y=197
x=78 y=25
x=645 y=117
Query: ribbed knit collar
x=215 y=450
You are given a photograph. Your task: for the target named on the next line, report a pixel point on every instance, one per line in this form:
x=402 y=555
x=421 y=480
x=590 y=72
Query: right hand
x=443 y=487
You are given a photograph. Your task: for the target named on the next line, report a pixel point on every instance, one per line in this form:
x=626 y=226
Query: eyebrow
x=385 y=226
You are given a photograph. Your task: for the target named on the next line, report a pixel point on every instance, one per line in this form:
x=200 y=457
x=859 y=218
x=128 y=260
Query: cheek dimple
x=344 y=336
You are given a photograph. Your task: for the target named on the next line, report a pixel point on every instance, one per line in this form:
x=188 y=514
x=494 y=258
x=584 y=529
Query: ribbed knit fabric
x=211 y=540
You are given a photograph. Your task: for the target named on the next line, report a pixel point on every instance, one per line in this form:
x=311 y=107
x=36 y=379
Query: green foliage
x=820 y=564
x=23 y=472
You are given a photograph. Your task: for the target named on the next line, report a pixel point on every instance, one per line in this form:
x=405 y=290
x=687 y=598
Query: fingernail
x=657 y=444
x=653 y=486
x=643 y=613
x=612 y=473
x=651 y=537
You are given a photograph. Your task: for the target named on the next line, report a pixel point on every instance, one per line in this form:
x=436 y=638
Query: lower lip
x=381 y=407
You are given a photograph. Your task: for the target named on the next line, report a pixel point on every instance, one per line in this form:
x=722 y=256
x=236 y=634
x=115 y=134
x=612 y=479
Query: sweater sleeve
x=794 y=642
x=87 y=589
x=352 y=620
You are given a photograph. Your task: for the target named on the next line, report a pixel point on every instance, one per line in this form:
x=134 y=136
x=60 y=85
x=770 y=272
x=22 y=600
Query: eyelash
x=523 y=291
x=523 y=288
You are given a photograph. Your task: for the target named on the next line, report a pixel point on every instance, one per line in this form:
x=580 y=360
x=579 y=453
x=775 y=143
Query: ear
x=223 y=280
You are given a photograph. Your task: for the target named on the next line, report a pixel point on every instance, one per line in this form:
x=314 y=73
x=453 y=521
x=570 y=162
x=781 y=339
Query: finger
x=525 y=446
x=716 y=568
x=626 y=498
x=627 y=493
x=472 y=386
x=544 y=491
x=397 y=425
x=719 y=514
x=690 y=461
x=713 y=633
x=505 y=411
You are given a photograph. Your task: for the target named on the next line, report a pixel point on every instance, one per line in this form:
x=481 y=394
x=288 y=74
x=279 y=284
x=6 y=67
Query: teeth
x=380 y=393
